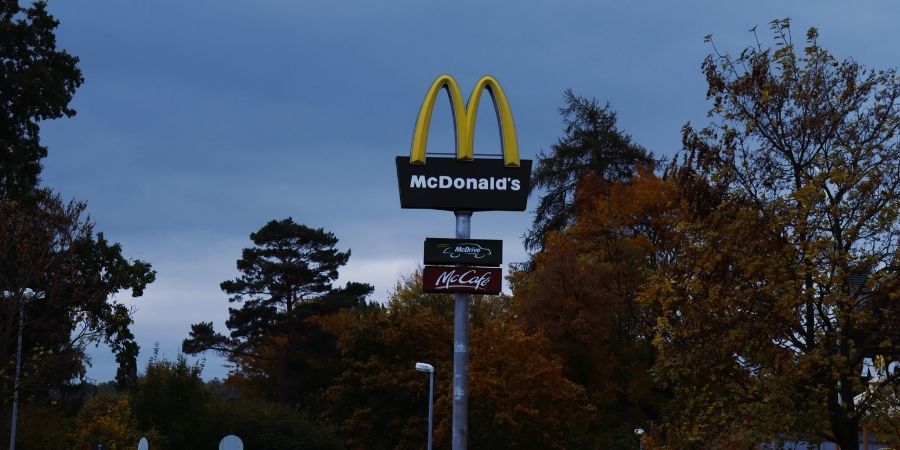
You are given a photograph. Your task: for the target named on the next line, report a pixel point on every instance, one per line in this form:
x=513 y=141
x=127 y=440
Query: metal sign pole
x=15 y=405
x=461 y=349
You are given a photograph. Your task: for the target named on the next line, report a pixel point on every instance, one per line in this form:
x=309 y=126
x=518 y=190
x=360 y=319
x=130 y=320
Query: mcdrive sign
x=471 y=280
x=475 y=252
x=464 y=183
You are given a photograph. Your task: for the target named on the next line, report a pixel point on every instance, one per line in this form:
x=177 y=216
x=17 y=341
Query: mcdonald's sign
x=464 y=183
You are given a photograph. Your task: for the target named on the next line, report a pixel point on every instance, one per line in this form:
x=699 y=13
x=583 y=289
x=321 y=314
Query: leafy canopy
x=285 y=283
x=786 y=285
x=37 y=82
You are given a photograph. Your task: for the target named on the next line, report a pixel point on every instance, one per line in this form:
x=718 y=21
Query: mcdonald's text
x=450 y=184
x=445 y=182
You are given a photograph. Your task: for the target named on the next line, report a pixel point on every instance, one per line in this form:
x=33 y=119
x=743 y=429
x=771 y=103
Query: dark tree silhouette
x=37 y=82
x=592 y=144
x=285 y=275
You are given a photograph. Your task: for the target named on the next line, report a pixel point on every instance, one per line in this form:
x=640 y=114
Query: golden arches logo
x=464 y=120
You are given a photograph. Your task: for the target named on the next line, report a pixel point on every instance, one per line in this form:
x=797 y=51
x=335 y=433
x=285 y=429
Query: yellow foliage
x=108 y=420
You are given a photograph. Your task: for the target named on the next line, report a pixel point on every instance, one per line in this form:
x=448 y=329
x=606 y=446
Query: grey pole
x=425 y=367
x=430 y=405
x=639 y=432
x=461 y=349
x=15 y=405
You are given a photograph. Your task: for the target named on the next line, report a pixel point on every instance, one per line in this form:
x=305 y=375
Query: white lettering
x=468 y=279
x=417 y=181
x=448 y=182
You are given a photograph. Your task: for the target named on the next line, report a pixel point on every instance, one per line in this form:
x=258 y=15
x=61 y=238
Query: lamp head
x=423 y=367
x=31 y=294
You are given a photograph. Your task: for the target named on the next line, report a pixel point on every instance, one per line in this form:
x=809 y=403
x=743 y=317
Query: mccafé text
x=469 y=278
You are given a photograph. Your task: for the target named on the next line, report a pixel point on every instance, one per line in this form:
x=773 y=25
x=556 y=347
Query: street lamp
x=28 y=294
x=640 y=433
x=423 y=367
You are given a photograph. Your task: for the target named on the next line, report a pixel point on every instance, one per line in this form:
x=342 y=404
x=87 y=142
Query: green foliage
x=267 y=425
x=172 y=399
x=592 y=145
x=37 y=82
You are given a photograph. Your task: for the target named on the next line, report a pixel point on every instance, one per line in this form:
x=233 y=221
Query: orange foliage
x=582 y=293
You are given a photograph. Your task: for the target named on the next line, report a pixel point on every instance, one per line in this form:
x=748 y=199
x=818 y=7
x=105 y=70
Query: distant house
x=867 y=441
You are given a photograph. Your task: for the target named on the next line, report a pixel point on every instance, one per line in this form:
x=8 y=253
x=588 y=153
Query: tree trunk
x=846 y=435
x=281 y=380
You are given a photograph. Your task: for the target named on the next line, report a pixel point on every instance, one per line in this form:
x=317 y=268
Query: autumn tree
x=582 y=295
x=286 y=278
x=108 y=420
x=47 y=246
x=379 y=401
x=592 y=144
x=518 y=396
x=782 y=291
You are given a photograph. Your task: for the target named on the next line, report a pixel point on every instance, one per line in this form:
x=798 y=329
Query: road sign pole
x=461 y=349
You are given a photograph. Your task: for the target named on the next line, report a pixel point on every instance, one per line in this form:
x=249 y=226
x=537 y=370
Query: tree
x=582 y=295
x=37 y=82
x=786 y=286
x=379 y=401
x=592 y=145
x=519 y=398
x=287 y=275
x=171 y=399
x=47 y=246
x=108 y=420
x=267 y=425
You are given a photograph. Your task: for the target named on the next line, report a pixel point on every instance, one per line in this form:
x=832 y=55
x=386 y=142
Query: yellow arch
x=464 y=119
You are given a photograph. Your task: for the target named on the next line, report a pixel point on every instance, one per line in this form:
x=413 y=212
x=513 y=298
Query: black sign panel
x=453 y=185
x=470 y=280
x=474 y=252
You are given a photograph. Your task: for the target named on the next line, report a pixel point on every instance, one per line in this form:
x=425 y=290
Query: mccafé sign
x=472 y=280
x=464 y=183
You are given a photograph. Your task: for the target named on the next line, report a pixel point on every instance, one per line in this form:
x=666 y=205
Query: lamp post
x=640 y=435
x=28 y=294
x=422 y=367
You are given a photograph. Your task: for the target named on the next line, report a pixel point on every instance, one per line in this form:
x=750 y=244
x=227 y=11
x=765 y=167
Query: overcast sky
x=201 y=120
